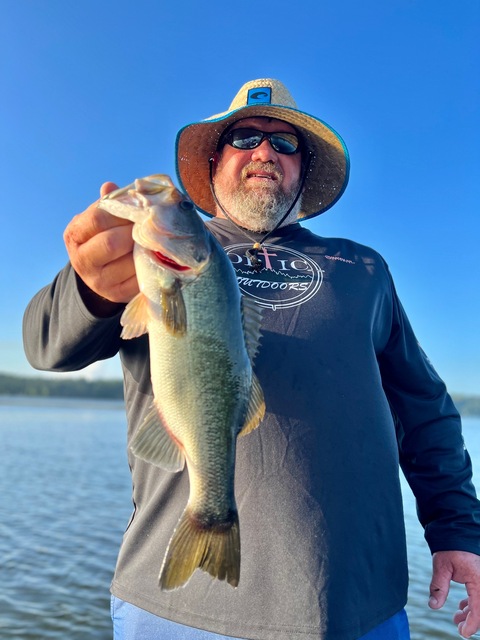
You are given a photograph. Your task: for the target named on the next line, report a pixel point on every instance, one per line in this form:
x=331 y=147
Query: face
x=257 y=186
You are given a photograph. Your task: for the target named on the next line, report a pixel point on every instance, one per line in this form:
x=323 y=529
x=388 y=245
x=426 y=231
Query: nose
x=264 y=153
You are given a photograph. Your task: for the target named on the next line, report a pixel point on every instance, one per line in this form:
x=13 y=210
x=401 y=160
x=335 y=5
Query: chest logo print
x=288 y=278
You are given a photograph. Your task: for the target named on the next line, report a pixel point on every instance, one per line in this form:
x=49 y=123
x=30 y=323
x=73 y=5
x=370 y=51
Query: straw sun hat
x=329 y=167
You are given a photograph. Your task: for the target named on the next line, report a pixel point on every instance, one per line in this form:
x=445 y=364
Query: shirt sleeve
x=60 y=334
x=431 y=447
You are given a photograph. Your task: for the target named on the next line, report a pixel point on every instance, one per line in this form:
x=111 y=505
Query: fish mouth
x=169 y=263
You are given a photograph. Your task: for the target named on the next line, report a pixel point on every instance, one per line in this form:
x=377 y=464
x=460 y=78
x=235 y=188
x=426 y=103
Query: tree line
x=60 y=388
x=63 y=387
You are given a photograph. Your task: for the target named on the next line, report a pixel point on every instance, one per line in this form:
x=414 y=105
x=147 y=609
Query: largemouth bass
x=203 y=336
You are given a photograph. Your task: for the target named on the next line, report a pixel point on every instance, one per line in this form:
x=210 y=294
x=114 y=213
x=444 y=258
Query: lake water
x=65 y=500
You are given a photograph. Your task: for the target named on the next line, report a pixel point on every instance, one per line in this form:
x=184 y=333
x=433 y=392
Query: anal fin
x=153 y=444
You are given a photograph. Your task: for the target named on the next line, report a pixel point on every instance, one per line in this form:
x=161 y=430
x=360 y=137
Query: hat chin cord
x=252 y=254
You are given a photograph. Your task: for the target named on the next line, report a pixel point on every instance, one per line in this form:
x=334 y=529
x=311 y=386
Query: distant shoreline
x=61 y=403
x=79 y=388
x=60 y=387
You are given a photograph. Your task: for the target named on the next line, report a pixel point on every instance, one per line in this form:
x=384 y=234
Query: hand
x=462 y=567
x=100 y=247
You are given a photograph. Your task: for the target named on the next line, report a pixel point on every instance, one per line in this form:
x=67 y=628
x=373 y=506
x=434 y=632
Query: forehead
x=264 y=124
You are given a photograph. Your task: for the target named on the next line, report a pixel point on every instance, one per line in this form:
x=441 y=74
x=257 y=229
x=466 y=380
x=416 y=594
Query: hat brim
x=329 y=168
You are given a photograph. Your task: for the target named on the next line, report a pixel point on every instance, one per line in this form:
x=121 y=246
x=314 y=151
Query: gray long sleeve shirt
x=350 y=395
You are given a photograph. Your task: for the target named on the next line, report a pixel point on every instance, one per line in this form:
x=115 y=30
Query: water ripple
x=62 y=519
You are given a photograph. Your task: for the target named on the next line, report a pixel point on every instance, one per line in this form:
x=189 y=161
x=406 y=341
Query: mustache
x=269 y=167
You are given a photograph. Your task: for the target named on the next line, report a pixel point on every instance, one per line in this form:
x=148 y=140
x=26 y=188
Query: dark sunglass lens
x=245 y=138
x=285 y=142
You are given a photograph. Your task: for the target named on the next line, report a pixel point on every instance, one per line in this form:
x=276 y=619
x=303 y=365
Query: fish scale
x=203 y=337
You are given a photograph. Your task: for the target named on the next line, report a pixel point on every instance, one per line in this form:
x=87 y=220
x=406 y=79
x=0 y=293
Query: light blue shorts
x=132 y=623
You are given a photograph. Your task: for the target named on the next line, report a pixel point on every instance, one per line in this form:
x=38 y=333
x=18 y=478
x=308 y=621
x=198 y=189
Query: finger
x=106 y=247
x=461 y=615
x=438 y=592
x=105 y=263
x=440 y=584
x=458 y=618
x=88 y=224
x=472 y=611
x=107 y=187
x=467 y=618
x=93 y=220
x=116 y=281
x=115 y=273
x=470 y=626
x=122 y=291
x=127 y=290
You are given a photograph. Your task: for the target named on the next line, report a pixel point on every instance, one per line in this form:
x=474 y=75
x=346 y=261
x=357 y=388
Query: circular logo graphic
x=288 y=278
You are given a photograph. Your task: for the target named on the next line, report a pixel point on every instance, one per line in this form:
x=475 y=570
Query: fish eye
x=186 y=205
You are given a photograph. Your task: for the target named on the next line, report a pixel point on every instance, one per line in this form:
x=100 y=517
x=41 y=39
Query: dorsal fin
x=256 y=408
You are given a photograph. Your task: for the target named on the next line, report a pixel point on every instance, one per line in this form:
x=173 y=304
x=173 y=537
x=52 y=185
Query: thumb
x=107 y=187
x=440 y=584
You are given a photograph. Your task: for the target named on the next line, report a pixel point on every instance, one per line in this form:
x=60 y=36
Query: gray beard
x=259 y=210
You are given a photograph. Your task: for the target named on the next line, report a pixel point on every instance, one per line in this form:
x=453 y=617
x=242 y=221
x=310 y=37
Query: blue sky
x=96 y=91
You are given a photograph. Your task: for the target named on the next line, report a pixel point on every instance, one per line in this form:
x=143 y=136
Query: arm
x=431 y=447
x=437 y=467
x=75 y=320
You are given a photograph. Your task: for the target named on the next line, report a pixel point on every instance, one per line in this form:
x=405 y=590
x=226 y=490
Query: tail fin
x=214 y=549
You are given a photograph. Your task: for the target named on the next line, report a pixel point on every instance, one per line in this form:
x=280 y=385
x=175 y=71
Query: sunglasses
x=246 y=139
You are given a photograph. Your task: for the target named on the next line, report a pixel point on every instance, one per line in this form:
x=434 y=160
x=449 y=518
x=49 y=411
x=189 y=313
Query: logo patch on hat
x=259 y=95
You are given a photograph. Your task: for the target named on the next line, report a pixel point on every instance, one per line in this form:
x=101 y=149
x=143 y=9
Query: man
x=349 y=396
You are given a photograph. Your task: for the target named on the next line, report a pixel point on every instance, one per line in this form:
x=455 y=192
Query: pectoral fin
x=256 y=408
x=174 y=313
x=135 y=317
x=153 y=444
x=137 y=314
